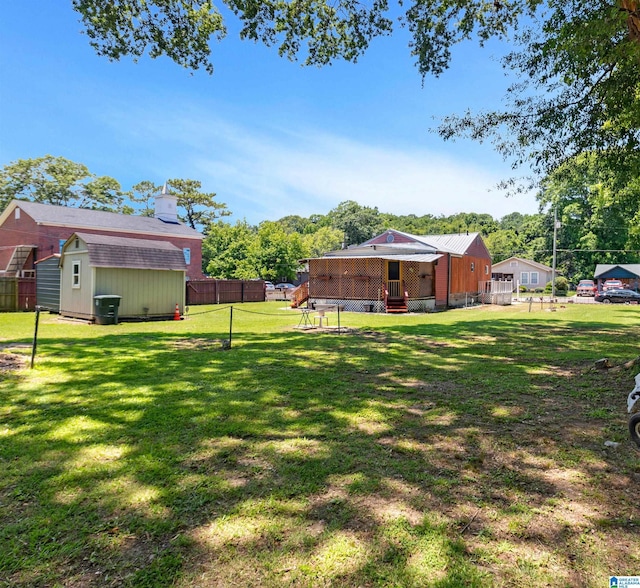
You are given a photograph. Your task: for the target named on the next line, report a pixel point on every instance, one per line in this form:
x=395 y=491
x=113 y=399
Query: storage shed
x=48 y=283
x=148 y=275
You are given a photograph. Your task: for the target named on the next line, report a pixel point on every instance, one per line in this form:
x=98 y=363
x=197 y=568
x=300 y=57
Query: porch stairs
x=300 y=295
x=18 y=258
x=395 y=297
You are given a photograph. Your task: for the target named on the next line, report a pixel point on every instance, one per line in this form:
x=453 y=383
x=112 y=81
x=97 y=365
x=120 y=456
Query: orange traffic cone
x=176 y=314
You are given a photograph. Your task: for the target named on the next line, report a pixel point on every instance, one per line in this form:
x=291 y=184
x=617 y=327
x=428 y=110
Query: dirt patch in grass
x=10 y=362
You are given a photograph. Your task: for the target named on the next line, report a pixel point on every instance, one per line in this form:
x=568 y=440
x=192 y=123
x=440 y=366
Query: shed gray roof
x=83 y=218
x=126 y=252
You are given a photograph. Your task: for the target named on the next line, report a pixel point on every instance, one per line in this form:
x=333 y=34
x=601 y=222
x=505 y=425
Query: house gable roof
x=617 y=270
x=86 y=219
x=127 y=252
x=541 y=266
x=455 y=243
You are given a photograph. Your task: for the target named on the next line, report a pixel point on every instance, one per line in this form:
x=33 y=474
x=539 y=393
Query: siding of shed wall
x=77 y=302
x=157 y=290
x=48 y=284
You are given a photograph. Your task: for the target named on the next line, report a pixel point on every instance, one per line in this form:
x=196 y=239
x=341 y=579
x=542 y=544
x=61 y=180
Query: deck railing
x=394 y=287
x=300 y=295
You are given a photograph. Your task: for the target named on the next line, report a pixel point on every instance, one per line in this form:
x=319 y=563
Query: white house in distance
x=524 y=272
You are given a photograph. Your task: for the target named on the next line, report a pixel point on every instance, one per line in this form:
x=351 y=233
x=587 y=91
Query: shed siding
x=76 y=301
x=157 y=291
x=48 y=284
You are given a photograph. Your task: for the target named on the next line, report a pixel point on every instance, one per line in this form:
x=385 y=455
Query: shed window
x=534 y=278
x=524 y=277
x=486 y=270
x=75 y=275
x=514 y=264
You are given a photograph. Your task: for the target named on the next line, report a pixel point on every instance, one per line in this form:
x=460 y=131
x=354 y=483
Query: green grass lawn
x=463 y=448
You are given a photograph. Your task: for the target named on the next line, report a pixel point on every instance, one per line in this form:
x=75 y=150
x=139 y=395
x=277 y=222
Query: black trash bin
x=107 y=309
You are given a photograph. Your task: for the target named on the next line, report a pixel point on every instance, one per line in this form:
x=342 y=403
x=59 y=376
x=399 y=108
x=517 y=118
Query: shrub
x=562 y=286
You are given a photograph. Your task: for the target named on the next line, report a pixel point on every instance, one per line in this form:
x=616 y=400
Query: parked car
x=612 y=285
x=269 y=285
x=285 y=286
x=586 y=288
x=618 y=295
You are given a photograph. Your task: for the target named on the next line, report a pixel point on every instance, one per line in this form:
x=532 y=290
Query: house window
x=534 y=278
x=17 y=214
x=75 y=275
x=514 y=264
x=473 y=266
x=77 y=243
x=61 y=243
x=486 y=270
x=187 y=255
x=524 y=277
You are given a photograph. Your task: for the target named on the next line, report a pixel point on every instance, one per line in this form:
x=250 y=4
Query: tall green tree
x=199 y=208
x=358 y=223
x=227 y=251
x=276 y=253
x=599 y=209
x=325 y=239
x=59 y=181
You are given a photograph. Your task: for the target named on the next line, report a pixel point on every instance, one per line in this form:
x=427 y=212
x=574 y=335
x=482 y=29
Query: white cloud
x=266 y=172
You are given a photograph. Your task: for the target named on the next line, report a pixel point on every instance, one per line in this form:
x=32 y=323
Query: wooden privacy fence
x=17 y=294
x=224 y=291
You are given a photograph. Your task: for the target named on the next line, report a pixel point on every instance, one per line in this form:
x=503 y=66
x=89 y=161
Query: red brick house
x=400 y=272
x=30 y=231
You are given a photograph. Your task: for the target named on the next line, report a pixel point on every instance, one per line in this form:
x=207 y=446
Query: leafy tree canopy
x=577 y=89
x=200 y=208
x=59 y=181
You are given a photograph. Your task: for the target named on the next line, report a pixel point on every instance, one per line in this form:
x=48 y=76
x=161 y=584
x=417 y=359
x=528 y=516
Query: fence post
x=338 y=319
x=35 y=337
x=230 y=325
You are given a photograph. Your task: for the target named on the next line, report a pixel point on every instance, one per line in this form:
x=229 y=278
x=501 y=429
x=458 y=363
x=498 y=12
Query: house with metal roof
x=400 y=272
x=147 y=276
x=30 y=231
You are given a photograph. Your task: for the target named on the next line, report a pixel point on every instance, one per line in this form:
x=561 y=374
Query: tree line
x=599 y=212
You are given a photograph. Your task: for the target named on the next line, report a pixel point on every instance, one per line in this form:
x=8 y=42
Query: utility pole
x=556 y=226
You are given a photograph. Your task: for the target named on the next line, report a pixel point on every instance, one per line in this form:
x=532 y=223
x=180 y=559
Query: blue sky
x=269 y=136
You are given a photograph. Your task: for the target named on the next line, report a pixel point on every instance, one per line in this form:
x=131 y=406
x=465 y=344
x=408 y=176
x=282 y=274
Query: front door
x=393 y=278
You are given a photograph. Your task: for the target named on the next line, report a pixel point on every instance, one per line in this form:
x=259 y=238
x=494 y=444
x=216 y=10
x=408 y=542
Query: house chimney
x=166 y=206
